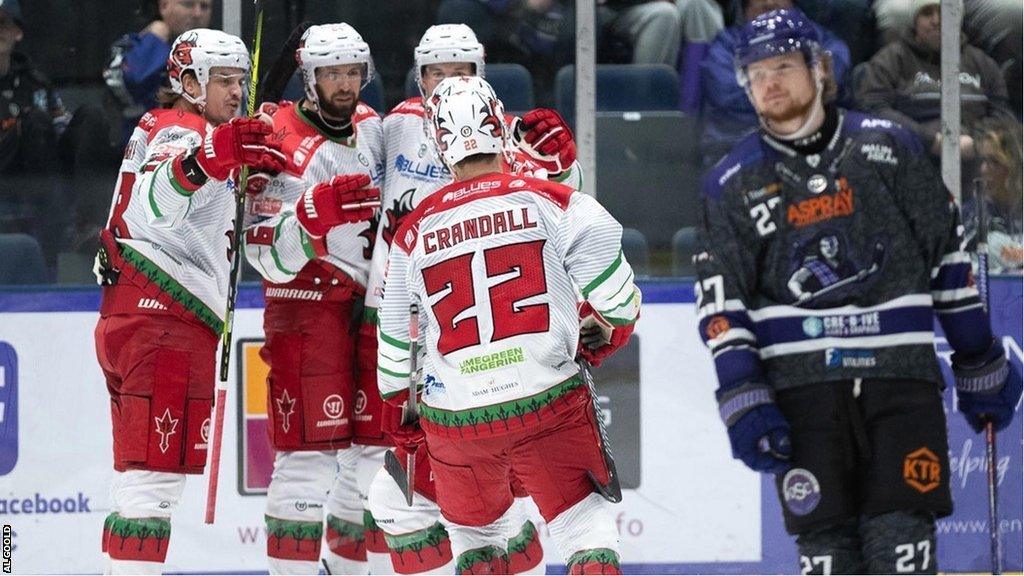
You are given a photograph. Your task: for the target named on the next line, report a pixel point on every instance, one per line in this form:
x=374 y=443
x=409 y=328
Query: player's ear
x=191 y=84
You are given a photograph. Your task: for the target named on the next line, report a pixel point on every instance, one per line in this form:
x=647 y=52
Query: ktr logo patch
x=922 y=470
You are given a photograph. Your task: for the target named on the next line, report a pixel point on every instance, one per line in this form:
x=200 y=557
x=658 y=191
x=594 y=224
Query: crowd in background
x=59 y=158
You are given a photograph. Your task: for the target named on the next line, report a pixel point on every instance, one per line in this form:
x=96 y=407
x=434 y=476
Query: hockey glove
x=344 y=199
x=987 y=387
x=758 y=432
x=547 y=139
x=406 y=435
x=237 y=142
x=598 y=338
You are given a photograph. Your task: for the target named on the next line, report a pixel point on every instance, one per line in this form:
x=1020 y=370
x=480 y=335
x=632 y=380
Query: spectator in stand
x=727 y=112
x=702 y=20
x=539 y=34
x=902 y=84
x=31 y=113
x=138 y=64
x=995 y=26
x=999 y=154
x=652 y=28
x=32 y=119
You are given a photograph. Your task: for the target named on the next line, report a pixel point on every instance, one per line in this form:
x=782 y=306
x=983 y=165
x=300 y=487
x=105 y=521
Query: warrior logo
x=285 y=407
x=334 y=406
x=165 y=426
x=204 y=430
x=360 y=402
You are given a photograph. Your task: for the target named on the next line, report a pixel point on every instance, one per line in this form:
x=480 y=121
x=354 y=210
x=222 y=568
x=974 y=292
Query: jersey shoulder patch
x=747 y=153
x=558 y=194
x=411 y=106
x=363 y=112
x=856 y=123
x=169 y=117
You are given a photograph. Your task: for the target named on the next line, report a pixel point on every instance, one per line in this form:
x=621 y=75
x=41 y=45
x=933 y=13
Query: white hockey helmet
x=443 y=43
x=331 y=45
x=466 y=118
x=199 y=50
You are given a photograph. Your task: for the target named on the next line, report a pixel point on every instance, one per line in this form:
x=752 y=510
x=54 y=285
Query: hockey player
x=827 y=372
x=310 y=238
x=414 y=172
x=496 y=262
x=164 y=265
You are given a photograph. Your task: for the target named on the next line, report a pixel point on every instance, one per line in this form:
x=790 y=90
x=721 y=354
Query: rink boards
x=687 y=507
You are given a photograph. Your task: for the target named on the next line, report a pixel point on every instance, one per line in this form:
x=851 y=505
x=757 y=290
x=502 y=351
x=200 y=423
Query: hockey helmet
x=199 y=50
x=445 y=43
x=331 y=45
x=773 y=34
x=466 y=118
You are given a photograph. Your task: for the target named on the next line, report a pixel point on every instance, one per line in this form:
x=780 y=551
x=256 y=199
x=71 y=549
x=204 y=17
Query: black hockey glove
x=987 y=387
x=758 y=432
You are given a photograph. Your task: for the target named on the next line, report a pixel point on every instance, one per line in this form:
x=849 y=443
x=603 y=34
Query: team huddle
x=436 y=286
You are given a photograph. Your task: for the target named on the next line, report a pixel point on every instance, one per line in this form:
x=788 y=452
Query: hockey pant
x=159 y=373
x=419 y=542
x=551 y=459
x=302 y=486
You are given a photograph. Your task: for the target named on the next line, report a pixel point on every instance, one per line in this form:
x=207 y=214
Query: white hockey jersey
x=275 y=243
x=175 y=234
x=496 y=266
x=413 y=171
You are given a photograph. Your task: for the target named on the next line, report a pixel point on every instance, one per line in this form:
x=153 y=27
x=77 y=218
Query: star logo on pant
x=285 y=407
x=165 y=426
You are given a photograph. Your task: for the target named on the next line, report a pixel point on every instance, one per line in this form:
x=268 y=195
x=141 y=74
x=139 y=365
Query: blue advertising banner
x=688 y=507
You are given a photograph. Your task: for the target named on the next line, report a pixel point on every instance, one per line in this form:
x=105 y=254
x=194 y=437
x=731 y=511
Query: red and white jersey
x=176 y=234
x=497 y=265
x=413 y=171
x=276 y=244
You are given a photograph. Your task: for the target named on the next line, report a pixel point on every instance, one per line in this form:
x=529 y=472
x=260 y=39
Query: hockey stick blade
x=612 y=491
x=283 y=67
x=397 y=473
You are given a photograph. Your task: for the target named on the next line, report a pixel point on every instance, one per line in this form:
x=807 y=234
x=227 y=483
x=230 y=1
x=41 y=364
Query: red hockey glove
x=407 y=436
x=237 y=142
x=344 y=199
x=266 y=112
x=547 y=139
x=598 y=338
x=257 y=182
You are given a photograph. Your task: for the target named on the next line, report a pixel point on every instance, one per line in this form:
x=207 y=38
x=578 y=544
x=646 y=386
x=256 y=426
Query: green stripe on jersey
x=603 y=276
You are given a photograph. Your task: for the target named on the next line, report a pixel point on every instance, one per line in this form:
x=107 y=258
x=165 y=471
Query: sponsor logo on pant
x=922 y=470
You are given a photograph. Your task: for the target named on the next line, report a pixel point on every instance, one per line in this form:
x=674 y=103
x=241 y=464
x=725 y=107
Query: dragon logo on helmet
x=181 y=56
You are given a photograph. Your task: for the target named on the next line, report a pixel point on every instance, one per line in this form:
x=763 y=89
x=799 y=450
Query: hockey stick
x=995 y=542
x=612 y=491
x=217 y=433
x=411 y=413
x=276 y=80
x=860 y=276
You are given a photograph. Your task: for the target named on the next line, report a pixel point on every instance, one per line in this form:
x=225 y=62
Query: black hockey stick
x=274 y=83
x=411 y=413
x=217 y=433
x=876 y=264
x=995 y=542
x=612 y=491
